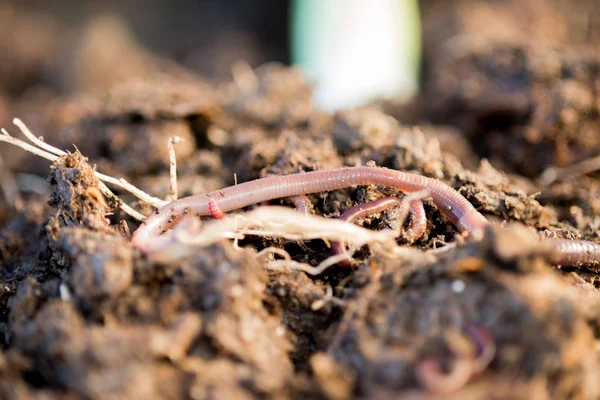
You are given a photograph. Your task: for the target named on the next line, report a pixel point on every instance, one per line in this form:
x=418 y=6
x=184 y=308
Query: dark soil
x=83 y=314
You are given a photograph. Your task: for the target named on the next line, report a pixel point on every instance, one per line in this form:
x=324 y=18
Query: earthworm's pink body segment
x=365 y=209
x=302 y=203
x=418 y=224
x=434 y=379
x=458 y=209
x=429 y=371
x=215 y=210
x=416 y=228
x=486 y=346
x=359 y=211
x=575 y=253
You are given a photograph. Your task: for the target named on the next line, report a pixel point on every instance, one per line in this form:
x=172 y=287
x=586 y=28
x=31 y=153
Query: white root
x=51 y=153
x=39 y=142
x=173 y=140
x=274 y=221
x=243 y=76
x=288 y=263
x=8 y=185
x=289 y=224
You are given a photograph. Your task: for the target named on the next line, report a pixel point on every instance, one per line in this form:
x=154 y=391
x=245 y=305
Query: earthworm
x=456 y=208
x=451 y=203
x=416 y=227
x=574 y=253
x=429 y=371
x=486 y=347
x=301 y=202
x=418 y=222
x=433 y=379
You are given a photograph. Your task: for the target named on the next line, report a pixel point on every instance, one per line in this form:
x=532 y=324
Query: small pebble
x=458 y=286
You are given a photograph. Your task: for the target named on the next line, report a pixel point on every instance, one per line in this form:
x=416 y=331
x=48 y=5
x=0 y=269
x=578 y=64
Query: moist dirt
x=83 y=314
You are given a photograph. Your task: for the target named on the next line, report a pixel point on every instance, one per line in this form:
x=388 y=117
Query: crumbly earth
x=523 y=90
x=83 y=314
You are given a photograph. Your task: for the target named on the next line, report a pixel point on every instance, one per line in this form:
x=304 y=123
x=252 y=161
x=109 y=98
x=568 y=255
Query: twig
x=8 y=184
x=269 y=221
x=309 y=269
x=173 y=166
x=140 y=194
x=39 y=142
x=122 y=205
x=554 y=174
x=5 y=137
x=244 y=77
x=52 y=153
x=288 y=263
x=328 y=298
x=275 y=251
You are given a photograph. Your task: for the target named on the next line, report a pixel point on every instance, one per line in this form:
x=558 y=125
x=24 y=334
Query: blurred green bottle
x=357 y=51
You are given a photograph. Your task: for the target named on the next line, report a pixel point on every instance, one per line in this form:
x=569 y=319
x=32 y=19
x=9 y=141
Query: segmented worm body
x=458 y=209
x=451 y=203
x=574 y=253
x=215 y=210
x=302 y=203
x=432 y=377
x=416 y=227
x=418 y=223
x=486 y=347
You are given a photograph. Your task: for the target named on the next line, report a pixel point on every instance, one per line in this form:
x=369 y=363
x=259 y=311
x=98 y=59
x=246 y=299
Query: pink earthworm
x=429 y=371
x=418 y=222
x=215 y=210
x=486 y=347
x=451 y=203
x=434 y=379
x=301 y=202
x=417 y=225
x=574 y=253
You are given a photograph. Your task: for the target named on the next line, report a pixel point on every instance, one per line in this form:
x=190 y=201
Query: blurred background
x=207 y=36
x=332 y=41
x=504 y=52
x=204 y=35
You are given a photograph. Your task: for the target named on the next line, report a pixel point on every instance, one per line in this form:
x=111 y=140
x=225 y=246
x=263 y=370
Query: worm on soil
x=416 y=228
x=301 y=202
x=451 y=203
x=430 y=374
x=434 y=379
x=574 y=253
x=456 y=208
